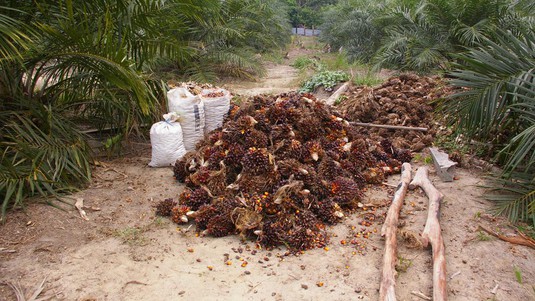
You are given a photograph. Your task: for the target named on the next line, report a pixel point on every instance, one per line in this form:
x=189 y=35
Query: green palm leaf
x=39 y=157
x=14 y=37
x=499 y=77
x=498 y=105
x=69 y=63
x=514 y=199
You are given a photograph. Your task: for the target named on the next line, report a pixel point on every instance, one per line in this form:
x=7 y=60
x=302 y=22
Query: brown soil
x=124 y=252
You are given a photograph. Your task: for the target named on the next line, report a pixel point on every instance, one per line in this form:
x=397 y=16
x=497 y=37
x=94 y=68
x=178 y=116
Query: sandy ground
x=279 y=78
x=124 y=252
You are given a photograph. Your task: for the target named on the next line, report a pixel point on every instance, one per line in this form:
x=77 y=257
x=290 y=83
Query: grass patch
x=338 y=61
x=518 y=274
x=132 y=236
x=369 y=79
x=160 y=222
x=482 y=236
x=304 y=62
x=424 y=159
x=403 y=264
x=329 y=65
x=276 y=57
x=309 y=42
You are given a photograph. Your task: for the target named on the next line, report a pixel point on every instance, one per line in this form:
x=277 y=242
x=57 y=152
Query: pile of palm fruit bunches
x=278 y=170
x=404 y=100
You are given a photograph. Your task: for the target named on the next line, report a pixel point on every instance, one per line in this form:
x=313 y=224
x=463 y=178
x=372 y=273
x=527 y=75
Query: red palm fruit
x=257 y=161
x=220 y=225
x=178 y=214
x=164 y=207
x=345 y=190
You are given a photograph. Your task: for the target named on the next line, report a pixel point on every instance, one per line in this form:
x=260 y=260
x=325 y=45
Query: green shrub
x=304 y=62
x=326 y=79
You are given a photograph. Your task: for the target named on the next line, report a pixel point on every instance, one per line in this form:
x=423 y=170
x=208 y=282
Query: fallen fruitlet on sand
x=279 y=169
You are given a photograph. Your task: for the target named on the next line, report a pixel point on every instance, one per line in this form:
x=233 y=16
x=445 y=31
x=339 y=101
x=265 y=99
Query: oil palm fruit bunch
x=278 y=170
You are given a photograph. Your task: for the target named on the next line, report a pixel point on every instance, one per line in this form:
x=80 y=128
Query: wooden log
x=391 y=127
x=332 y=99
x=432 y=232
x=389 y=229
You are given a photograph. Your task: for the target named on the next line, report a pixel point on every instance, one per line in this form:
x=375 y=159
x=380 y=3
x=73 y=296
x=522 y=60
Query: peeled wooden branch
x=389 y=229
x=392 y=127
x=421 y=295
x=432 y=232
x=332 y=99
x=517 y=240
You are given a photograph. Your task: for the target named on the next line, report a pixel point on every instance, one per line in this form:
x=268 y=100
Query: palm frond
x=82 y=62
x=415 y=38
x=470 y=35
x=43 y=154
x=14 y=37
x=514 y=199
x=201 y=73
x=500 y=98
x=413 y=43
x=241 y=63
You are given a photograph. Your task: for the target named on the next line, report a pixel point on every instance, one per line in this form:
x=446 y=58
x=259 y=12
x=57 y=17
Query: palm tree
x=354 y=28
x=67 y=63
x=498 y=105
x=423 y=35
x=230 y=34
x=419 y=35
x=412 y=41
x=74 y=62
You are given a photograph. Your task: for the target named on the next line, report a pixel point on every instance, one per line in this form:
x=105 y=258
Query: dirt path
x=279 y=78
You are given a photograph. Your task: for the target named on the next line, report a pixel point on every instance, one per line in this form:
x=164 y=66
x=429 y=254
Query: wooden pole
x=387 y=292
x=332 y=99
x=432 y=232
x=392 y=127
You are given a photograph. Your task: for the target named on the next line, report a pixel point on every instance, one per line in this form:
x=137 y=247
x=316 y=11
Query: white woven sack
x=215 y=108
x=166 y=142
x=191 y=111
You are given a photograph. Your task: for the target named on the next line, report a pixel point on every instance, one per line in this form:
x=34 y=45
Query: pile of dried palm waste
x=403 y=100
x=279 y=169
